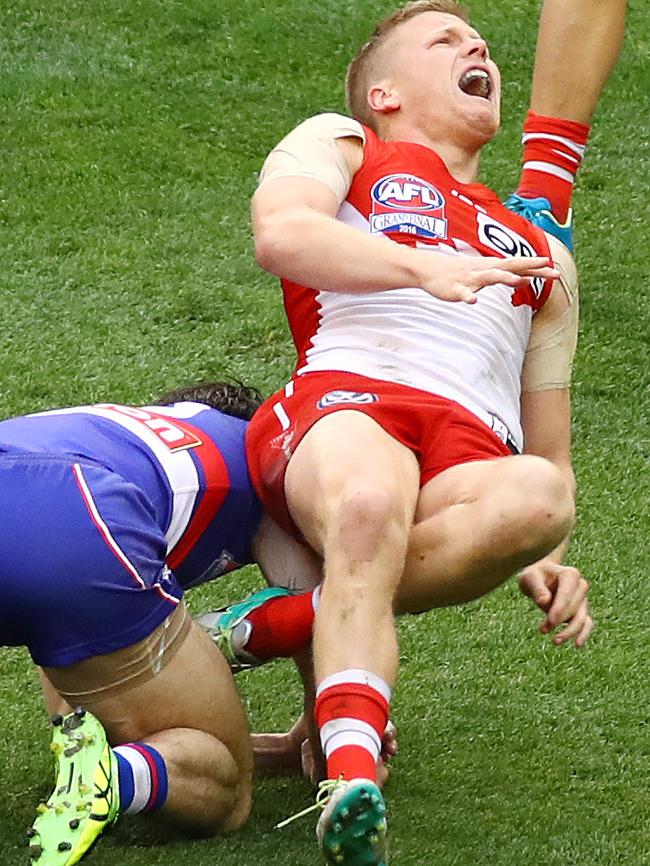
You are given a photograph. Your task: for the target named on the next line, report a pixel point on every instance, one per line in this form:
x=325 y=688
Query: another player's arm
x=298 y=238
x=559 y=590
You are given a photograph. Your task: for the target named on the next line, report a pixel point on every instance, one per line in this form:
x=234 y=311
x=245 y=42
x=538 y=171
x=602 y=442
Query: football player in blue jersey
x=107 y=514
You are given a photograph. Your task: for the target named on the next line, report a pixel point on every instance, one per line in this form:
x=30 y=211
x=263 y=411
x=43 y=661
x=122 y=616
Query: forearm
x=315 y=250
x=560 y=591
x=556 y=557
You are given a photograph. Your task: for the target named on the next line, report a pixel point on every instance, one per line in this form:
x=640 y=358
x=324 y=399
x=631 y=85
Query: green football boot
x=85 y=799
x=352 y=829
x=230 y=630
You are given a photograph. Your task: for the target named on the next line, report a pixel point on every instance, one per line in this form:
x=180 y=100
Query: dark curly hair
x=231 y=398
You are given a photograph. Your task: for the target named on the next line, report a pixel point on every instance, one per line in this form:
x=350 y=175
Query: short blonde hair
x=360 y=71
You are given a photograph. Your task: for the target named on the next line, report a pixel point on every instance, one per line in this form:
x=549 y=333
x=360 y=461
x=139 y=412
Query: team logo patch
x=334 y=398
x=409 y=205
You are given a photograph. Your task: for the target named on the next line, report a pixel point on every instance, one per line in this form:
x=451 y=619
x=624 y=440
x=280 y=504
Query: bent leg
x=577 y=47
x=477 y=524
x=53 y=701
x=190 y=712
x=351 y=489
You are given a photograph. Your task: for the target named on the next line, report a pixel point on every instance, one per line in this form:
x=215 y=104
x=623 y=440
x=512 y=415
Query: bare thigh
x=347 y=453
x=478 y=523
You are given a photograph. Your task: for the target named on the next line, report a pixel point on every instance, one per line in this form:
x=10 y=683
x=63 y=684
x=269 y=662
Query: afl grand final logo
x=406 y=204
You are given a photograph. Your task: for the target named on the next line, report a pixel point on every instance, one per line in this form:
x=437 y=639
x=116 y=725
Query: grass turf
x=131 y=134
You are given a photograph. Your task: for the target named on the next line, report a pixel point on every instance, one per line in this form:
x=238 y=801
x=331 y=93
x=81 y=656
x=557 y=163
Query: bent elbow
x=270 y=246
x=266 y=253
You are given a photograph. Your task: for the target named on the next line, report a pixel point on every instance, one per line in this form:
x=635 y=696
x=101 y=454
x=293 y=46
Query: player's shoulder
x=565 y=263
x=327 y=147
x=562 y=301
x=330 y=125
x=560 y=253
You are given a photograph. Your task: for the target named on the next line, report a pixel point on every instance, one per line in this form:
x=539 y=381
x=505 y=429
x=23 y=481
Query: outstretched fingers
x=514 y=272
x=459 y=278
x=529 y=266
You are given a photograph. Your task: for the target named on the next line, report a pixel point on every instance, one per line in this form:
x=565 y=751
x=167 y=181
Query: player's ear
x=383 y=97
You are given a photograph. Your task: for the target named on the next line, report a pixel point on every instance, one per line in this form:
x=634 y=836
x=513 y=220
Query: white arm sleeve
x=310 y=150
x=549 y=357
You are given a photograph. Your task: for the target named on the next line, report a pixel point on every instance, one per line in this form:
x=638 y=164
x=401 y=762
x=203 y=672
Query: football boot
x=352 y=828
x=230 y=630
x=85 y=799
x=538 y=212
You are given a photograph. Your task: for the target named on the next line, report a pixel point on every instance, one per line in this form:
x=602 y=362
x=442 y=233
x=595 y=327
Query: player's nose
x=474 y=46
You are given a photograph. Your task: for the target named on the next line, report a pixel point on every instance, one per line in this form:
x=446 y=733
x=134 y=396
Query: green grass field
x=131 y=134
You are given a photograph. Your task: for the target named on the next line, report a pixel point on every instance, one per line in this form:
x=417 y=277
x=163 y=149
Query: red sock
x=553 y=151
x=352 y=712
x=281 y=627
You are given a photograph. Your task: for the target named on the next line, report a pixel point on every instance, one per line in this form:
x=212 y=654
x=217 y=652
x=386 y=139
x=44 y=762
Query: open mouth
x=476 y=82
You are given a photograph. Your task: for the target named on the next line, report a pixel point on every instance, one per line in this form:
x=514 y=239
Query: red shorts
x=440 y=432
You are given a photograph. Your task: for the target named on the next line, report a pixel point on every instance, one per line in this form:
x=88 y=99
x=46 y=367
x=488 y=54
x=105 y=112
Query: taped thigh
x=105 y=676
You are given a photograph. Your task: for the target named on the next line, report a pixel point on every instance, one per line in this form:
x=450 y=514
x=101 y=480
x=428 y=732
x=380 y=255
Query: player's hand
x=561 y=592
x=279 y=753
x=460 y=278
x=294 y=752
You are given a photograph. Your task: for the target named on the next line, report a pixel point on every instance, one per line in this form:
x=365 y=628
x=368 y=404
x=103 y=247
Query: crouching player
x=107 y=514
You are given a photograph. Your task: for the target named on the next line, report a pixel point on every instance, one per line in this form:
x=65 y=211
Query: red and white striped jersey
x=472 y=354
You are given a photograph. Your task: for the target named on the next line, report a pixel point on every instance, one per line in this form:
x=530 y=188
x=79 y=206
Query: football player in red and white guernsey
x=423 y=444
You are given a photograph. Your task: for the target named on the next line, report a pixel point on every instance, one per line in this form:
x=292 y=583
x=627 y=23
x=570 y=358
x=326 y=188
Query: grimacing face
x=441 y=72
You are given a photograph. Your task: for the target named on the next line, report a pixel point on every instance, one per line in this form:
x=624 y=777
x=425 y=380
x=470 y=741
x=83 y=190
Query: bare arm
x=297 y=237
x=546 y=419
x=546 y=374
x=559 y=590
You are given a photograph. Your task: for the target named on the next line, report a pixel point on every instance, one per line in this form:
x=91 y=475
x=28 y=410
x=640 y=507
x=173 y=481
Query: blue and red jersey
x=187 y=459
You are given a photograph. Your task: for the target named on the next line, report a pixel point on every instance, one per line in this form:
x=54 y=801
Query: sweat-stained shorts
x=82 y=559
x=440 y=432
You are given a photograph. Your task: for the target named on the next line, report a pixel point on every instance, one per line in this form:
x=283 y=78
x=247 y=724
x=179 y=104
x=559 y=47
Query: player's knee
x=548 y=508
x=365 y=517
x=241 y=808
x=227 y=809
